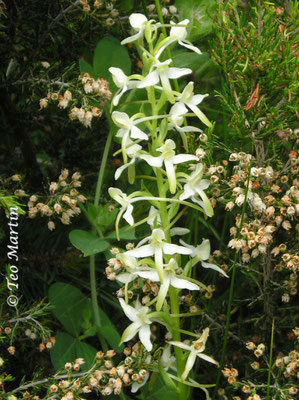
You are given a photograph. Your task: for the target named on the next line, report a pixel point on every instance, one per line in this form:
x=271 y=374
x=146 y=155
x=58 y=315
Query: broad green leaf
x=123 y=234
x=69 y=306
x=183 y=59
x=88 y=243
x=112 y=336
x=110 y=53
x=155 y=389
x=200 y=14
x=86 y=67
x=67 y=349
x=126 y=5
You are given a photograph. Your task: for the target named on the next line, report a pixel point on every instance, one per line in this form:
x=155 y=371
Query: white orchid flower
x=130 y=263
x=133 y=151
x=125 y=202
x=176 y=119
x=154 y=221
x=188 y=98
x=138 y=23
x=195 y=187
x=178 y=33
x=140 y=324
x=196 y=350
x=160 y=71
x=201 y=253
x=167 y=360
x=170 y=278
x=128 y=129
x=157 y=247
x=123 y=82
x=170 y=159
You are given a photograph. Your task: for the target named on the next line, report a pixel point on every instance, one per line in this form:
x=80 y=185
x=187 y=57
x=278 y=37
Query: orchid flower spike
x=170 y=278
x=169 y=159
x=160 y=71
x=201 y=253
x=138 y=23
x=178 y=33
x=196 y=350
x=188 y=98
x=157 y=247
x=195 y=187
x=140 y=324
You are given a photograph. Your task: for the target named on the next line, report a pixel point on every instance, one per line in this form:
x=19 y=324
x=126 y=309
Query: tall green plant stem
x=270 y=363
x=94 y=299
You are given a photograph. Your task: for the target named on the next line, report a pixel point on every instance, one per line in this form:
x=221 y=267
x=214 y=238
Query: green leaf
x=69 y=306
x=182 y=59
x=123 y=234
x=67 y=349
x=200 y=14
x=166 y=378
x=158 y=391
x=126 y=5
x=101 y=215
x=86 y=67
x=112 y=337
x=110 y=53
x=88 y=243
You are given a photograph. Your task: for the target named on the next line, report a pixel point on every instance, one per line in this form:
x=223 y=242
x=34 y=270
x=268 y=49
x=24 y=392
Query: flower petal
x=137 y=133
x=198 y=98
x=152 y=161
x=163 y=292
x=170 y=171
x=180 y=283
x=180 y=158
x=150 y=80
x=121 y=119
x=199 y=114
x=132 y=38
x=183 y=346
x=189 y=364
x=125 y=277
x=120 y=170
x=207 y=358
x=188 y=192
x=141 y=252
x=179 y=231
x=175 y=73
x=189 y=46
x=207 y=204
x=128 y=215
x=130 y=311
x=170 y=248
x=137 y=20
x=144 y=336
x=203 y=250
x=151 y=275
x=215 y=267
x=130 y=331
x=166 y=86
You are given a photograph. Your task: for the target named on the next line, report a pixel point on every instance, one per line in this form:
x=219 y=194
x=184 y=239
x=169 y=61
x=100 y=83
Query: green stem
x=93 y=288
x=184 y=391
x=231 y=292
x=270 y=363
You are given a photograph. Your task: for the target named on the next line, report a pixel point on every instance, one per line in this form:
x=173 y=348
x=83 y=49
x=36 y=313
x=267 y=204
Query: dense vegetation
x=149 y=199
